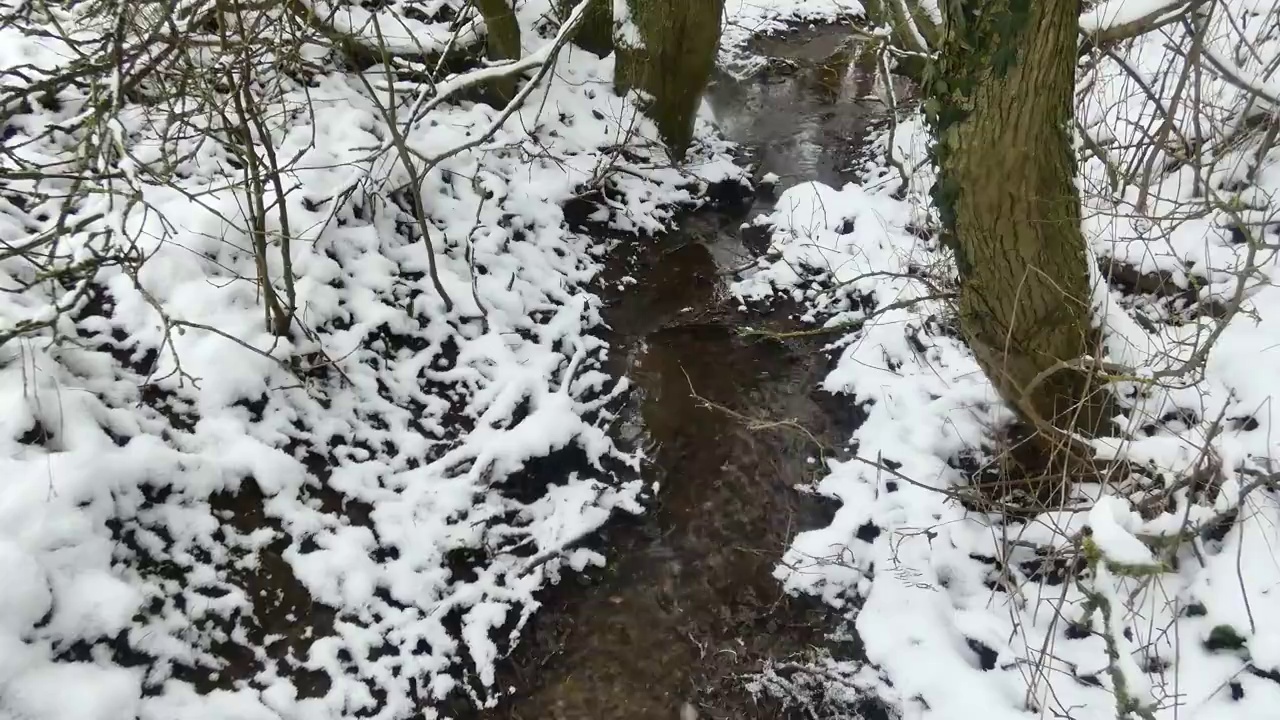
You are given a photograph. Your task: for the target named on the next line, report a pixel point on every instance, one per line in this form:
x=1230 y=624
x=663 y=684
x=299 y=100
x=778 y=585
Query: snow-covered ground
x=169 y=470
x=966 y=614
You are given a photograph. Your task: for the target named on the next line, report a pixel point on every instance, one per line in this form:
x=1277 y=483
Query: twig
x=847 y=326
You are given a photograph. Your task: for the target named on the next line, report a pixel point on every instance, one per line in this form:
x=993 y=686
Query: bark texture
x=673 y=64
x=596 y=31
x=1000 y=101
x=503 y=41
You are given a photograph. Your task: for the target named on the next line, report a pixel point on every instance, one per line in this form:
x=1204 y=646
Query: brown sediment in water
x=688 y=606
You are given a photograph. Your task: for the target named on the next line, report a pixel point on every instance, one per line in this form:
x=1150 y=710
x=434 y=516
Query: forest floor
x=195 y=525
x=679 y=443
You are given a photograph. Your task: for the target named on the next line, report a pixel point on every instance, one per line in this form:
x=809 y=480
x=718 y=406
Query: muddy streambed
x=688 y=606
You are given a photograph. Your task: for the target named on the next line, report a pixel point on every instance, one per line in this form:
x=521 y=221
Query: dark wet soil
x=688 y=607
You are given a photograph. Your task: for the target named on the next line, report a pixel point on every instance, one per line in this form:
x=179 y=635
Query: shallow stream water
x=688 y=607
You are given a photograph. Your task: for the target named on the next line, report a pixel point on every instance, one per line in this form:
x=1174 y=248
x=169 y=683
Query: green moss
x=981 y=40
x=1008 y=35
x=998 y=100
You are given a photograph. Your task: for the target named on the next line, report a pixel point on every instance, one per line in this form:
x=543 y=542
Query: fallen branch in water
x=845 y=326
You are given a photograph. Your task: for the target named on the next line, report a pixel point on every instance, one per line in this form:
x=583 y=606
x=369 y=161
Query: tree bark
x=1000 y=102
x=595 y=34
x=502 y=43
x=672 y=64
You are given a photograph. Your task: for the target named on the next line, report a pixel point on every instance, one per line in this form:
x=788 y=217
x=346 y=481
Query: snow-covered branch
x=540 y=57
x=1118 y=20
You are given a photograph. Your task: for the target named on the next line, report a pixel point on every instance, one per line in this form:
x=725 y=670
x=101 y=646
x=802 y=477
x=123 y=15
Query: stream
x=687 y=607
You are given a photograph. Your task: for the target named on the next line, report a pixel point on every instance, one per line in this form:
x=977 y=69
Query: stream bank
x=688 y=607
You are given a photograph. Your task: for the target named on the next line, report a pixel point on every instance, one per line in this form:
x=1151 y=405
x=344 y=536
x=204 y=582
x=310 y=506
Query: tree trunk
x=1000 y=102
x=673 y=63
x=596 y=31
x=502 y=43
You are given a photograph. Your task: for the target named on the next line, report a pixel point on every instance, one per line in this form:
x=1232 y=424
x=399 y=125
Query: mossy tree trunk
x=503 y=41
x=673 y=63
x=1000 y=102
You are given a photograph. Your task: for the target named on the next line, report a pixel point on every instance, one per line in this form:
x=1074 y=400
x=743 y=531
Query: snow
x=392 y=27
x=1112 y=524
x=1115 y=13
x=390 y=459
x=99 y=693
x=939 y=582
x=625 y=31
